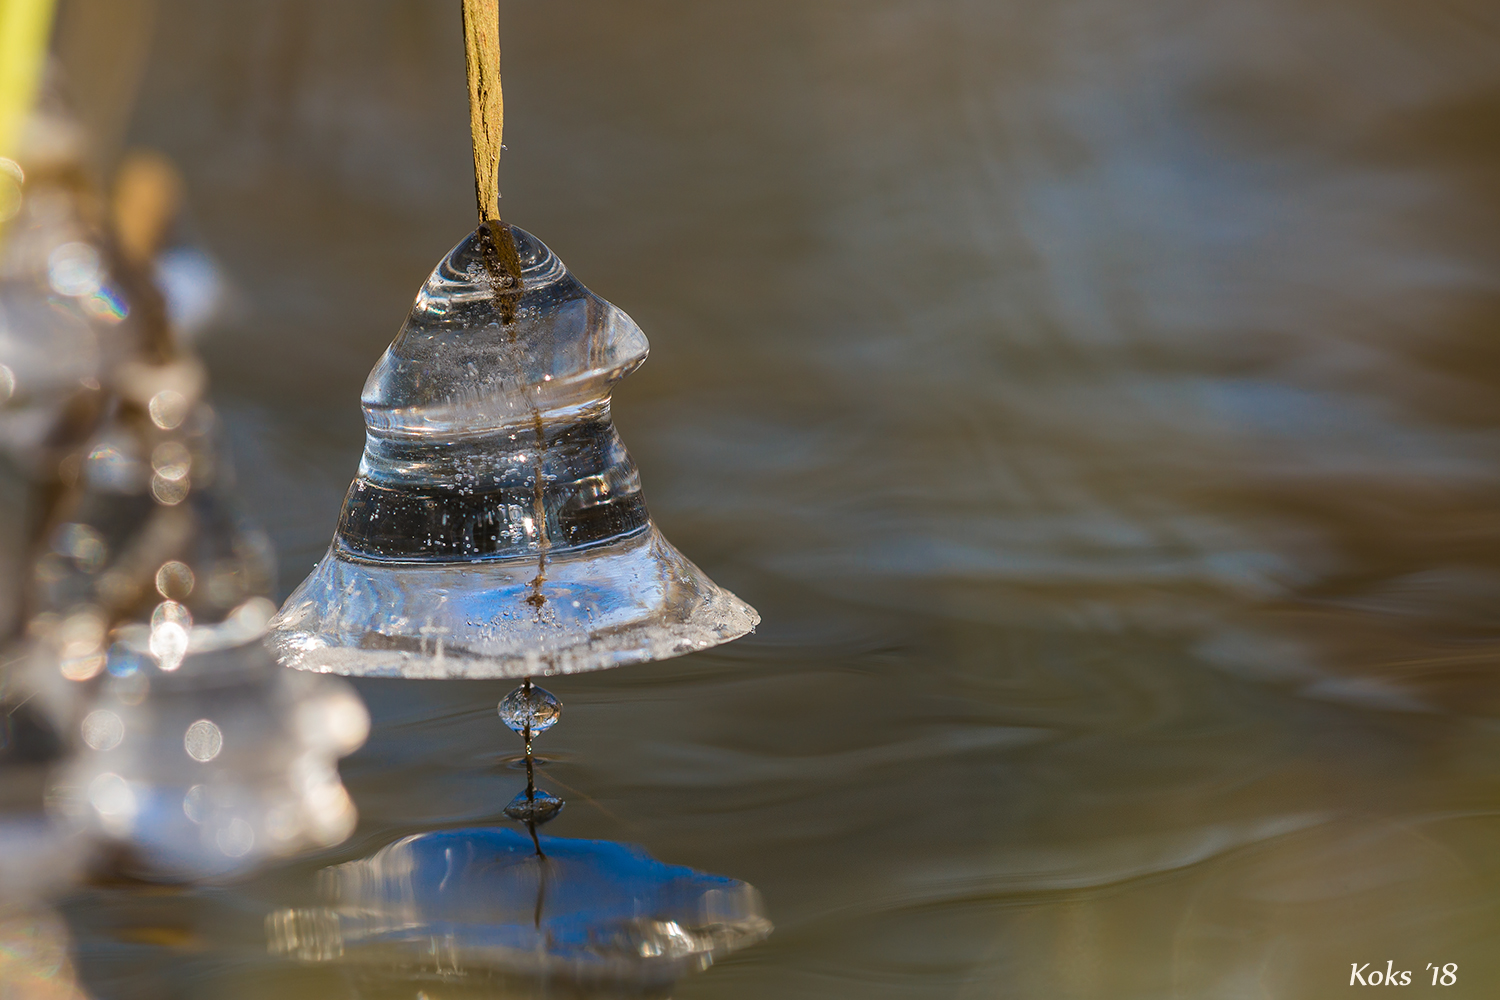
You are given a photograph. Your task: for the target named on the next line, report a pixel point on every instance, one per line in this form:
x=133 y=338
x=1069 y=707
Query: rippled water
x=1097 y=400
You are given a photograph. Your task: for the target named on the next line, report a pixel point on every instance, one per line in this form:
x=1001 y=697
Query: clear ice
x=530 y=710
x=497 y=527
x=152 y=517
x=197 y=755
x=210 y=769
x=64 y=322
x=64 y=327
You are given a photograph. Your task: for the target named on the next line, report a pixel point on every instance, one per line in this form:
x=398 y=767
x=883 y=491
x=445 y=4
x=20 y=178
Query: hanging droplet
x=530 y=707
x=497 y=526
x=542 y=807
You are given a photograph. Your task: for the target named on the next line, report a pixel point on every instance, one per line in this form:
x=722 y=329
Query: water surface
x=1097 y=400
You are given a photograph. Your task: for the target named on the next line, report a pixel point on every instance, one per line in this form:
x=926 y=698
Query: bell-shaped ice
x=197 y=756
x=153 y=515
x=147 y=537
x=64 y=319
x=64 y=327
x=207 y=767
x=497 y=526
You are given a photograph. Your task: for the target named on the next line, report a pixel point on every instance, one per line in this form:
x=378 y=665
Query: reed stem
x=486 y=101
x=25 y=31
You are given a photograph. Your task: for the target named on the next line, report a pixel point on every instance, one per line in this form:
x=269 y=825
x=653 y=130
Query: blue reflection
x=480 y=901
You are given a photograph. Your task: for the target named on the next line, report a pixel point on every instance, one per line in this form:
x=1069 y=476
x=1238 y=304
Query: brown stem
x=541 y=884
x=531 y=780
x=486 y=101
x=535 y=841
x=538 y=515
x=497 y=243
x=502 y=262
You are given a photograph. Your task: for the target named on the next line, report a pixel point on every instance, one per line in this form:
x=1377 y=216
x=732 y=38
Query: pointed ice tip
x=470 y=289
x=468 y=273
x=472 y=338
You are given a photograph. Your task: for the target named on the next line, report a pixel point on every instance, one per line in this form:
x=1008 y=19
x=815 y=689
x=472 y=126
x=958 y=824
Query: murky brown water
x=1097 y=399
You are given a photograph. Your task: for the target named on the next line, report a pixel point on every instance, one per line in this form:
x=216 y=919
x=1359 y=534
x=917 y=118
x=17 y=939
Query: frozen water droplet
x=530 y=707
x=543 y=807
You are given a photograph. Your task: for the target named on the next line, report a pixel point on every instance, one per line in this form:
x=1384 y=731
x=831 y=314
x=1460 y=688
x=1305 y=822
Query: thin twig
x=486 y=102
x=486 y=129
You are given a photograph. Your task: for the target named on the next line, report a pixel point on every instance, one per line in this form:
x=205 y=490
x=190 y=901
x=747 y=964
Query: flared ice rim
x=305 y=637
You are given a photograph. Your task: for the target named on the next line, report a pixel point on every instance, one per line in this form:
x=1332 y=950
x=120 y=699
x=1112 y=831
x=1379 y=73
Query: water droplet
x=171 y=611
x=532 y=707
x=170 y=622
x=169 y=492
x=171 y=460
x=543 y=807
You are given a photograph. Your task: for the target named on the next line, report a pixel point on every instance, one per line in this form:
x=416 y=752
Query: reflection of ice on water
x=477 y=904
x=497 y=527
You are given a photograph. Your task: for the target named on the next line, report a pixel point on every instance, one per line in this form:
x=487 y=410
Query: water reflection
x=479 y=907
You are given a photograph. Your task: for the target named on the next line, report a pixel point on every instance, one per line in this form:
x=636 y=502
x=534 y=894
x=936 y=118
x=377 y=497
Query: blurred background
x=1097 y=400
